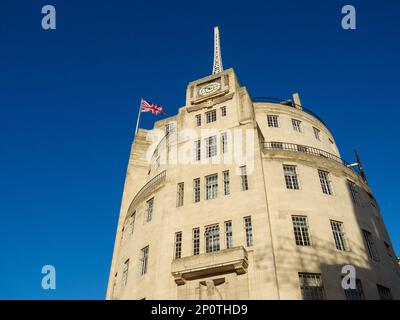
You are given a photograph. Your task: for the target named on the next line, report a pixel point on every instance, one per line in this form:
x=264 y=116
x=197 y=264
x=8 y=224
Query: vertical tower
x=217 y=65
x=242 y=198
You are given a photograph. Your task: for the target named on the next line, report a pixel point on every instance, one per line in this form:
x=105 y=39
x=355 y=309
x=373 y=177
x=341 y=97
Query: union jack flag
x=148 y=107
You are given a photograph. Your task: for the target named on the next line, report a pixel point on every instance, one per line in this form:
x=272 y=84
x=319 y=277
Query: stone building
x=246 y=198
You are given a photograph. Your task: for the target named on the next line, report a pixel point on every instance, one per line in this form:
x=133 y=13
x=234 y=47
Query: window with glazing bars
x=228 y=234
x=384 y=292
x=178 y=245
x=196 y=241
x=272 y=121
x=339 y=235
x=224 y=142
x=370 y=245
x=123 y=231
x=180 y=194
x=196 y=190
x=125 y=273
x=198 y=120
x=248 y=228
x=197 y=150
x=296 y=125
x=143 y=262
x=132 y=222
x=317 y=133
x=211 y=116
x=223 y=111
x=227 y=190
x=211 y=186
x=243 y=177
x=169 y=127
x=211 y=146
x=211 y=235
x=301 y=231
x=311 y=286
x=325 y=182
x=149 y=209
x=355 y=294
x=291 y=179
x=353 y=191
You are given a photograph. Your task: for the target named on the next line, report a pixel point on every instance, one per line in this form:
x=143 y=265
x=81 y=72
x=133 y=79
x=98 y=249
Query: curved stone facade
x=205 y=222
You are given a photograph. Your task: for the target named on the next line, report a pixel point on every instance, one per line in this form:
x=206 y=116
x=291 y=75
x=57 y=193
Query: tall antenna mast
x=360 y=167
x=217 y=67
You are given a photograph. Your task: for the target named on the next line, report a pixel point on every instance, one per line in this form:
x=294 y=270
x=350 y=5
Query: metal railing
x=283 y=146
x=288 y=103
x=152 y=182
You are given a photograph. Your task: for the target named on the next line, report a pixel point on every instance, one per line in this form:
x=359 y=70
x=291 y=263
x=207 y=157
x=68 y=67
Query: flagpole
x=138 y=118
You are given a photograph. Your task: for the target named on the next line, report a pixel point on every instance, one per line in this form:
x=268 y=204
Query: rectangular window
x=227 y=190
x=211 y=146
x=301 y=231
x=123 y=230
x=311 y=286
x=243 y=177
x=248 y=228
x=370 y=245
x=211 y=186
x=211 y=116
x=196 y=241
x=317 y=133
x=291 y=179
x=196 y=190
x=224 y=142
x=296 y=125
x=223 y=111
x=272 y=121
x=228 y=234
x=198 y=120
x=339 y=235
x=197 y=150
x=132 y=222
x=169 y=127
x=178 y=245
x=325 y=182
x=125 y=273
x=123 y=235
x=211 y=236
x=180 y=194
x=388 y=249
x=384 y=292
x=144 y=257
x=353 y=191
x=355 y=294
x=149 y=209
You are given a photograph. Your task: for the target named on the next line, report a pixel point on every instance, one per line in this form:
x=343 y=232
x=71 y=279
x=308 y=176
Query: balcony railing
x=283 y=146
x=150 y=185
x=210 y=264
x=288 y=103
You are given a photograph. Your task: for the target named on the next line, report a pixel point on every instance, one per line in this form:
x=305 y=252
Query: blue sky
x=69 y=98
